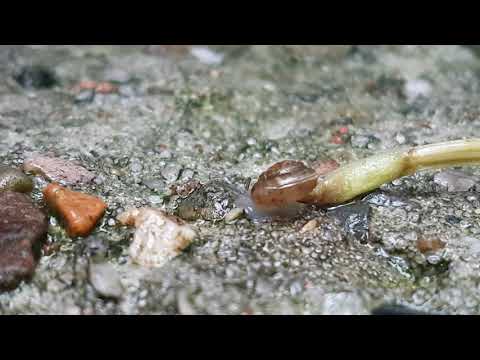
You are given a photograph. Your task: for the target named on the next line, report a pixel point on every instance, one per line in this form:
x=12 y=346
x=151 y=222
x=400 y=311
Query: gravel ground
x=191 y=125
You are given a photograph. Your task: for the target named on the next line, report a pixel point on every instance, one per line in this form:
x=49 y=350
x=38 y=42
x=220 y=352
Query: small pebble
x=233 y=215
x=154 y=199
x=171 y=172
x=57 y=170
x=309 y=226
x=105 y=88
x=126 y=91
x=86 y=85
x=118 y=76
x=96 y=246
x=85 y=96
x=360 y=141
x=455 y=181
x=426 y=245
x=159 y=237
x=416 y=88
x=400 y=138
x=80 y=212
x=36 y=77
x=186 y=188
x=207 y=56
x=105 y=280
x=154 y=184
x=12 y=179
x=434 y=259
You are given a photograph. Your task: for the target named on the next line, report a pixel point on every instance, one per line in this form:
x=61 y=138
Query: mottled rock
x=210 y=202
x=22 y=228
x=105 y=280
x=57 y=170
x=354 y=219
x=455 y=181
x=159 y=237
x=12 y=179
x=80 y=212
x=186 y=188
x=36 y=77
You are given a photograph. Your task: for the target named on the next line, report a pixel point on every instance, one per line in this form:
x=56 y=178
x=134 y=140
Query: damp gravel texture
x=217 y=116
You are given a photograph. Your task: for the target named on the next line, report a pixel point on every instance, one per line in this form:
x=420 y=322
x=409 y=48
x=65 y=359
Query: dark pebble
x=36 y=77
x=23 y=228
x=453 y=219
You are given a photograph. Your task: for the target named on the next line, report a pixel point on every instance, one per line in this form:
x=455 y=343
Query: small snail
x=283 y=183
x=287 y=184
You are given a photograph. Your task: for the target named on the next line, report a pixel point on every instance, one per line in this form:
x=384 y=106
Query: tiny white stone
x=233 y=215
x=159 y=237
x=207 y=56
x=105 y=280
x=416 y=88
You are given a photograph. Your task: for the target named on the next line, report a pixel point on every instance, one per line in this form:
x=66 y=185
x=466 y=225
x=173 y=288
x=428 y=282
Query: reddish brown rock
x=58 y=170
x=22 y=229
x=428 y=245
x=106 y=88
x=80 y=212
x=85 y=85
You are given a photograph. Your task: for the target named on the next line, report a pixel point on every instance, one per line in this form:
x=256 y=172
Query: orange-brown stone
x=105 y=88
x=80 y=212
